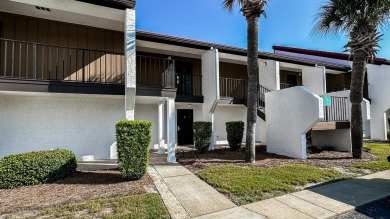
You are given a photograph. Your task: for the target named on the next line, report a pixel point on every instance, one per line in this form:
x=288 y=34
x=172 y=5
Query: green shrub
x=36 y=167
x=388 y=135
x=133 y=140
x=235 y=133
x=202 y=135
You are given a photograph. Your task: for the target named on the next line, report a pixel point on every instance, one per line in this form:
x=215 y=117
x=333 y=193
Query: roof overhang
x=183 y=42
x=116 y=4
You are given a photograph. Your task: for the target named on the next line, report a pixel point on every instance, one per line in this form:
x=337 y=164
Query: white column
x=269 y=74
x=210 y=86
x=130 y=77
x=212 y=142
x=171 y=130
x=161 y=142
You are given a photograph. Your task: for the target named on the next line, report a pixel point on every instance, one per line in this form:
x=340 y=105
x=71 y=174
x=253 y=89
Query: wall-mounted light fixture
x=189 y=105
x=265 y=63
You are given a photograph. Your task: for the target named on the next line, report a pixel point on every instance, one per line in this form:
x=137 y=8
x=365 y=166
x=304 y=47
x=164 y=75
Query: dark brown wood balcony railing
x=35 y=61
x=155 y=71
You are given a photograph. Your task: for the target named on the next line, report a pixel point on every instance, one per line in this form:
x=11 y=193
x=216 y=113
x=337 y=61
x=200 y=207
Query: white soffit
x=166 y=49
x=69 y=11
x=230 y=58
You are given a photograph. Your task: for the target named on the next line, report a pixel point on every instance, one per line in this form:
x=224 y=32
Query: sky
x=288 y=23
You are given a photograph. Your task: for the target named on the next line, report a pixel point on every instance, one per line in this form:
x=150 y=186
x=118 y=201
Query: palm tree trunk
x=253 y=74
x=356 y=98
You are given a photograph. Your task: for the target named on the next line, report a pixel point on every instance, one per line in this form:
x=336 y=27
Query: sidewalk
x=187 y=196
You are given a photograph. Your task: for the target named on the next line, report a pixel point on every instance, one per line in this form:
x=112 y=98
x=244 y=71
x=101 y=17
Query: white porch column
x=130 y=77
x=171 y=130
x=210 y=86
x=269 y=74
x=161 y=142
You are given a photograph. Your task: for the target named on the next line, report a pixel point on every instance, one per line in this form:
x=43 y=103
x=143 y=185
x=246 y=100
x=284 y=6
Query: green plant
x=202 y=135
x=133 y=140
x=34 y=168
x=388 y=135
x=235 y=133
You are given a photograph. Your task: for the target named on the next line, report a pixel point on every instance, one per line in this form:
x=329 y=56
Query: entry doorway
x=184 y=78
x=292 y=80
x=185 y=132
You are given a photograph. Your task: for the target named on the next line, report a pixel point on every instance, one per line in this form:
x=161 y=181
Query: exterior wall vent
x=42 y=8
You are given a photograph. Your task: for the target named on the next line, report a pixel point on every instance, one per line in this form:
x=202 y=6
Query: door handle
x=178 y=128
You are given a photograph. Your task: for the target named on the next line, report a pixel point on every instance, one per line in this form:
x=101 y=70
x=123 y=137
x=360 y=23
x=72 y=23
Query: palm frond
x=229 y=4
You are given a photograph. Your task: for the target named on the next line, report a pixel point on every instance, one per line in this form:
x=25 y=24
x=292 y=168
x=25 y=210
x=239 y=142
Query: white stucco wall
x=84 y=124
x=149 y=112
x=291 y=113
x=340 y=139
x=314 y=78
x=379 y=91
x=226 y=113
x=387 y=120
x=269 y=76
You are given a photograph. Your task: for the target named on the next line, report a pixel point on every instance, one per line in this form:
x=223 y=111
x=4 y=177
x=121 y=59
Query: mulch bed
x=326 y=159
x=83 y=186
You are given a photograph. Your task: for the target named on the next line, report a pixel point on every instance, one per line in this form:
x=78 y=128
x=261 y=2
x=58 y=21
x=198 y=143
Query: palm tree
x=251 y=9
x=360 y=19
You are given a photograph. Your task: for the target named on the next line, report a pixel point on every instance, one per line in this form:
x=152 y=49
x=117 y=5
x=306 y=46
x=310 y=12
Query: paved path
x=186 y=196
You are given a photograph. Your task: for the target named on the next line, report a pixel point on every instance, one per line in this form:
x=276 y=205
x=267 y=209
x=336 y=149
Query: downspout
x=214 y=106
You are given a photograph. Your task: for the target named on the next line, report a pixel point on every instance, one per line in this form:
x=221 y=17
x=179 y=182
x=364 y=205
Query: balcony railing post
x=83 y=65
x=34 y=62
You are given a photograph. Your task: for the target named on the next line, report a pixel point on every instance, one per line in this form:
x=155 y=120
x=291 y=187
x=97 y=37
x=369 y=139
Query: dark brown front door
x=184 y=78
x=292 y=80
x=185 y=133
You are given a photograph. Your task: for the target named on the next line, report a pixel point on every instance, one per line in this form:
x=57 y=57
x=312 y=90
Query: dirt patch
x=326 y=159
x=83 y=186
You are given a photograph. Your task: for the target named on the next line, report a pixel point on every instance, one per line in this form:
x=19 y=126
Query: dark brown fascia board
x=116 y=4
x=178 y=41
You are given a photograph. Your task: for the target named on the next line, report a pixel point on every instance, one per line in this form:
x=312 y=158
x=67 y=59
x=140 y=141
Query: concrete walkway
x=187 y=196
x=184 y=194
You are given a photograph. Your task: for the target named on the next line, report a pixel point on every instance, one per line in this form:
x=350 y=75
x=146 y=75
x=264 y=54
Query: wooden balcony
x=35 y=67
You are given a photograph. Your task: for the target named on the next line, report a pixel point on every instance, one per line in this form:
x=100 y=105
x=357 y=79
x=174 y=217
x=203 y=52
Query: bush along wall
x=36 y=168
x=133 y=140
x=388 y=135
x=235 y=133
x=202 y=135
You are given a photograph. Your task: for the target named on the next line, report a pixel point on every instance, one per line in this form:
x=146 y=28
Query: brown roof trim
x=178 y=41
x=116 y=4
x=326 y=54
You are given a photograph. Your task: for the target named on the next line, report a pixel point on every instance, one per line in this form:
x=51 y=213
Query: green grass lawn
x=382 y=151
x=249 y=184
x=137 y=206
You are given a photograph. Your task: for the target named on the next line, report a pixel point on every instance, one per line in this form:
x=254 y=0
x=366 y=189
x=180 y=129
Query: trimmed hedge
x=133 y=140
x=235 y=133
x=202 y=135
x=36 y=168
x=388 y=135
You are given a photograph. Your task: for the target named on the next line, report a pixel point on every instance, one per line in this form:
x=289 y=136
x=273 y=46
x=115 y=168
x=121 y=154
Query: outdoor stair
x=261 y=103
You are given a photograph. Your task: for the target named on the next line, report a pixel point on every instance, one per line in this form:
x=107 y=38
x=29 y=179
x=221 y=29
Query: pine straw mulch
x=83 y=186
x=327 y=159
